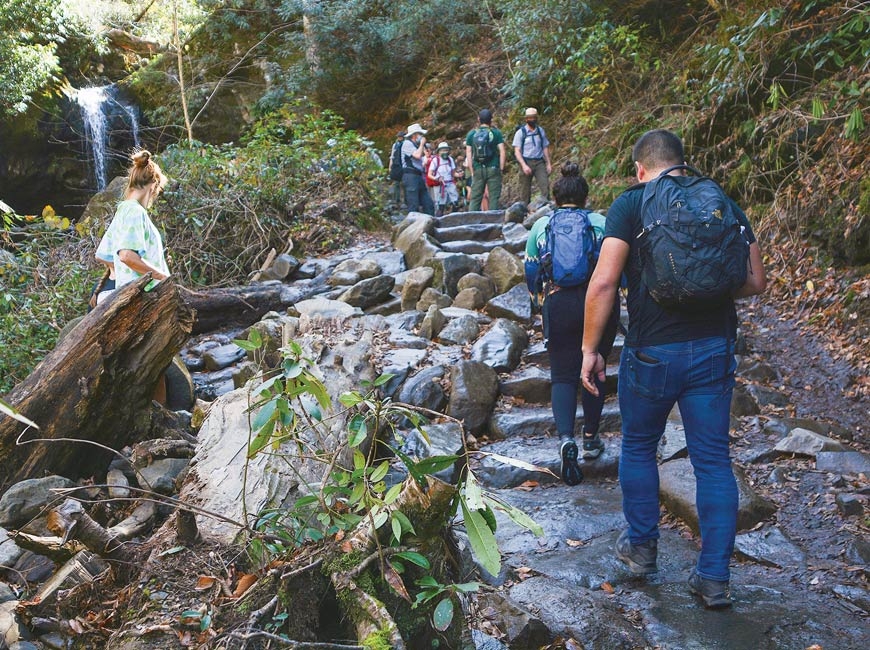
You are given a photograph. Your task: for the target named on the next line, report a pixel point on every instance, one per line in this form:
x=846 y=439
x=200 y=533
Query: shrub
x=228 y=205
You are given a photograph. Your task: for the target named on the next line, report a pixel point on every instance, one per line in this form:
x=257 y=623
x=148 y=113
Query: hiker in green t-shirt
x=485 y=159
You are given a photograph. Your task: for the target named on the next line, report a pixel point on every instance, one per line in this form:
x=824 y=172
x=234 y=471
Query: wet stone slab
x=543 y=452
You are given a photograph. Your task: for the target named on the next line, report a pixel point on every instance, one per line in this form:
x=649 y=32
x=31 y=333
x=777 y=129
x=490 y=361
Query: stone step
x=475 y=247
x=532 y=383
x=473 y=232
x=537 y=354
x=538 y=421
x=466 y=218
x=543 y=452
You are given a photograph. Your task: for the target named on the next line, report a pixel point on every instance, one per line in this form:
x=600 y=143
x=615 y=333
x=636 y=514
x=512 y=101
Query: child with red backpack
x=440 y=176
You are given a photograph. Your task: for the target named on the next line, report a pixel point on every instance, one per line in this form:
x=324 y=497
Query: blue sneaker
x=570 y=470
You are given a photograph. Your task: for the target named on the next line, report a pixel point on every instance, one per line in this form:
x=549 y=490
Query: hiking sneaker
x=592 y=445
x=570 y=470
x=714 y=593
x=640 y=558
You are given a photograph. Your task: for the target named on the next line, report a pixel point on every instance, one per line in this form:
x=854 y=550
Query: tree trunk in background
x=96 y=385
x=312 y=54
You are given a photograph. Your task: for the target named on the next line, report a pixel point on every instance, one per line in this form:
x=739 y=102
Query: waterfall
x=90 y=101
x=133 y=114
x=111 y=126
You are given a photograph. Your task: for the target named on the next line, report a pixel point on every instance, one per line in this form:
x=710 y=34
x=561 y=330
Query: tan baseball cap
x=531 y=112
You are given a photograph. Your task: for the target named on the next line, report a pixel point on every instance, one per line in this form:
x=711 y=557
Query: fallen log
x=96 y=385
x=241 y=306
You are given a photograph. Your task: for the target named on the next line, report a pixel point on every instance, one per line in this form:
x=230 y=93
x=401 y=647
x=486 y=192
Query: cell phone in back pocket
x=645 y=357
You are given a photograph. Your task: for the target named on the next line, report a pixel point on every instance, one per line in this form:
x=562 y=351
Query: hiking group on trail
x=683 y=251
x=483 y=165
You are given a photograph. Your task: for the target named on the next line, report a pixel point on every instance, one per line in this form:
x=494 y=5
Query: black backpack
x=396 y=166
x=482 y=145
x=693 y=250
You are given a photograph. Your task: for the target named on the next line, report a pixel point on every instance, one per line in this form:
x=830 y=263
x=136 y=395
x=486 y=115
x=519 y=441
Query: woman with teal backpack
x=559 y=262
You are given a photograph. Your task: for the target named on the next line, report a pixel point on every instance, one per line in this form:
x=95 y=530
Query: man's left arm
x=756 y=277
x=599 y=302
x=547 y=159
x=502 y=156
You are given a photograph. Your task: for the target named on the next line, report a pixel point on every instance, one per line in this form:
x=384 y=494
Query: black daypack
x=396 y=166
x=571 y=248
x=482 y=145
x=693 y=250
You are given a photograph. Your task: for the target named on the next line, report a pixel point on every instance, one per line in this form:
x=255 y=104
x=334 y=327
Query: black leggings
x=563 y=329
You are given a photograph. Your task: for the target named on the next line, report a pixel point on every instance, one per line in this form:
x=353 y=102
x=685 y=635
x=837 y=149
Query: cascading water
x=91 y=101
x=109 y=122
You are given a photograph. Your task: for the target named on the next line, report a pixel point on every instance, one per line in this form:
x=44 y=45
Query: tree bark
x=243 y=306
x=95 y=386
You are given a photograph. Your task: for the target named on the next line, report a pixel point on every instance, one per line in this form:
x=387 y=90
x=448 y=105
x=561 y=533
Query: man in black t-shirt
x=681 y=355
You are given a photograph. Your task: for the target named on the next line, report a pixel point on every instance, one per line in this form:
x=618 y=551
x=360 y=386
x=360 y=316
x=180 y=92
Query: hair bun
x=142 y=158
x=570 y=169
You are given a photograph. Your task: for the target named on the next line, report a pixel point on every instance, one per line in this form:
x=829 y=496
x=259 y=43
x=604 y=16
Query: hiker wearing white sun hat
x=413 y=151
x=441 y=172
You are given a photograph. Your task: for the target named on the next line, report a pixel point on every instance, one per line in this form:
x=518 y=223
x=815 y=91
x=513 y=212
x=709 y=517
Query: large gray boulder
x=370 y=292
x=450 y=268
x=514 y=304
x=413 y=238
x=424 y=389
x=504 y=268
x=677 y=492
x=804 y=442
x=473 y=393
x=460 y=331
x=416 y=282
x=502 y=346
x=25 y=500
x=477 y=281
x=364 y=268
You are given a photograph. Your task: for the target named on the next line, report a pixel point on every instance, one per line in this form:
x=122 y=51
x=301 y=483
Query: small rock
x=843 y=462
x=806 y=443
x=118 y=484
x=431 y=297
x=161 y=474
x=223 y=356
x=532 y=384
x=321 y=308
x=516 y=213
x=756 y=370
x=370 y=292
x=502 y=346
x=855 y=595
x=743 y=403
x=474 y=280
x=9 y=554
x=364 y=268
x=424 y=389
x=767 y=396
x=432 y=323
x=769 y=546
x=416 y=281
x=343 y=279
x=460 y=331
x=514 y=305
x=505 y=269
x=470 y=298
x=850 y=505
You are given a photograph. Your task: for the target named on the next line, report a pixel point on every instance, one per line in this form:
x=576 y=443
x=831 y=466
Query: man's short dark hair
x=485 y=116
x=658 y=148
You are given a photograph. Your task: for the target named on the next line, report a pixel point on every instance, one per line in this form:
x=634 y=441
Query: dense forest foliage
x=771 y=98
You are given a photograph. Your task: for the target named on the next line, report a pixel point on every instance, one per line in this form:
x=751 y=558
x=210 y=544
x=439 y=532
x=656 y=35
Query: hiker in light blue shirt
x=532 y=151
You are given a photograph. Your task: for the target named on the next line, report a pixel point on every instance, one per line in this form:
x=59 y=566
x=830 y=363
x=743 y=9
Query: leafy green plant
x=45 y=278
x=291 y=401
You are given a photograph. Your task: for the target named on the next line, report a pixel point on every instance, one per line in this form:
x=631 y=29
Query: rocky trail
x=444 y=309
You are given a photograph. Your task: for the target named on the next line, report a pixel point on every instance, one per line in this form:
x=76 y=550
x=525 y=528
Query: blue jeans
x=699 y=376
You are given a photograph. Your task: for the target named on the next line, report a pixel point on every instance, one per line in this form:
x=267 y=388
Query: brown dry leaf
x=524 y=572
x=573 y=644
x=204 y=583
x=395 y=581
x=339 y=535
x=76 y=626
x=607 y=587
x=574 y=543
x=527 y=486
x=346 y=546
x=245 y=583
x=815 y=646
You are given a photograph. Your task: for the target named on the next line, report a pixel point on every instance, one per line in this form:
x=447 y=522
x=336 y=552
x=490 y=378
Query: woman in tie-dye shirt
x=132 y=244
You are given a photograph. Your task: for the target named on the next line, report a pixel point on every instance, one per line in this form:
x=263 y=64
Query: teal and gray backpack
x=571 y=248
x=693 y=250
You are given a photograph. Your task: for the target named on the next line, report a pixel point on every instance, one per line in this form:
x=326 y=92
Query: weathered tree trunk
x=96 y=385
x=216 y=308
